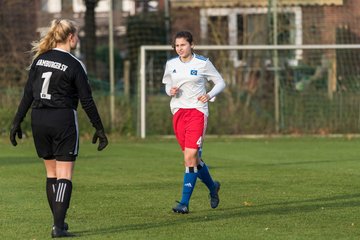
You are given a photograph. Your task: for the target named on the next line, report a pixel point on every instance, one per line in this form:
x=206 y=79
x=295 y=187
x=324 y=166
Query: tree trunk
x=90 y=36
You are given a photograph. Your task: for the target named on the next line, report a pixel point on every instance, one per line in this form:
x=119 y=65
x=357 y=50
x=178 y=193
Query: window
x=218 y=30
x=51 y=6
x=254 y=26
x=102 y=6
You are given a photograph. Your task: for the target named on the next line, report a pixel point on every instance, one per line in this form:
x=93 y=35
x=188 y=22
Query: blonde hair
x=58 y=32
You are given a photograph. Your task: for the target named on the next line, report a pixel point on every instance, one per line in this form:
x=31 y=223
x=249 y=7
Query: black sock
x=62 y=201
x=50 y=192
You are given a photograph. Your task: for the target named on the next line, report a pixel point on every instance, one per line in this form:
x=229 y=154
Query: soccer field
x=280 y=188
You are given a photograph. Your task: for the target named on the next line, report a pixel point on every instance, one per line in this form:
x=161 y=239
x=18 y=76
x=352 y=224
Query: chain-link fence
x=317 y=88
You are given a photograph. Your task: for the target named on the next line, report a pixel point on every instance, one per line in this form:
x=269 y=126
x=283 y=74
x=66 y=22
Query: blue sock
x=204 y=175
x=190 y=177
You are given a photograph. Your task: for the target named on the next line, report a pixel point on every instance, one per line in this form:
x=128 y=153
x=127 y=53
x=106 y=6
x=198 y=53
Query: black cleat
x=66 y=226
x=181 y=208
x=214 y=198
x=59 y=233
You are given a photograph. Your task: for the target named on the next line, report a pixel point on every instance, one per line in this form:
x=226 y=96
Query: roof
x=249 y=3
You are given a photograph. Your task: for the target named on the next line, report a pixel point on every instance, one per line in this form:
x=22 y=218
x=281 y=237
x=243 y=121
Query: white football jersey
x=191 y=78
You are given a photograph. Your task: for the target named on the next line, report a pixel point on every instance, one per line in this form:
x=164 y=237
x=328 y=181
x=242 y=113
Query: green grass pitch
x=275 y=188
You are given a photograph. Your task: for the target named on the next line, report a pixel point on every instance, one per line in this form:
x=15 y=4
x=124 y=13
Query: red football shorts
x=189 y=127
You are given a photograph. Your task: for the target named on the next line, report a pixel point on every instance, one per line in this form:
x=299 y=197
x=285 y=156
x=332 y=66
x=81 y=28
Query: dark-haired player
x=185 y=80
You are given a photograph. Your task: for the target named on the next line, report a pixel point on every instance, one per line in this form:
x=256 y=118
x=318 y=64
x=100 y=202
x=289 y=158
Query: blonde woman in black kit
x=57 y=81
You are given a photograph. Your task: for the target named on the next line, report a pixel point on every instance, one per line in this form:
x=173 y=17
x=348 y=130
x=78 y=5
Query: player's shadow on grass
x=19 y=160
x=240 y=212
x=323 y=199
x=308 y=162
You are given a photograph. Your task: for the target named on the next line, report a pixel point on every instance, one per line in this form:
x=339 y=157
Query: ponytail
x=58 y=32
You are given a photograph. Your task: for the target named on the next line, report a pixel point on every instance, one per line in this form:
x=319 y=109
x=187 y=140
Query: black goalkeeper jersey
x=57 y=79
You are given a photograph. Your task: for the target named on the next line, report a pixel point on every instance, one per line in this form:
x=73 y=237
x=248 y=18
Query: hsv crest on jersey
x=193 y=72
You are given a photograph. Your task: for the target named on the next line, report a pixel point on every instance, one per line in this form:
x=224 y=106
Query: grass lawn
x=280 y=188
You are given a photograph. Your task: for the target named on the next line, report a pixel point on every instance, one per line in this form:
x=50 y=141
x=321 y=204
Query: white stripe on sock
x=60 y=192
x=187 y=169
x=63 y=193
x=57 y=193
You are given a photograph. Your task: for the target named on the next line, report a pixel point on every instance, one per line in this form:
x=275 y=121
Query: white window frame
x=79 y=6
x=232 y=14
x=51 y=6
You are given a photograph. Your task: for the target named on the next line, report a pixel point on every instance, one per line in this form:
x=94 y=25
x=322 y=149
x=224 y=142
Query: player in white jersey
x=185 y=80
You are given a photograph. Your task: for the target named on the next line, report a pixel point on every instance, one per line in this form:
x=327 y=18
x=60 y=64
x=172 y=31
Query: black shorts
x=55 y=133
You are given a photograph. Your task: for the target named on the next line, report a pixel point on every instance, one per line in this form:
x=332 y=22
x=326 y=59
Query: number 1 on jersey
x=45 y=86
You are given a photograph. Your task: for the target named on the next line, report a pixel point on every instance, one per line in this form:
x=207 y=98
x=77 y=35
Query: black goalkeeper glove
x=15 y=129
x=103 y=141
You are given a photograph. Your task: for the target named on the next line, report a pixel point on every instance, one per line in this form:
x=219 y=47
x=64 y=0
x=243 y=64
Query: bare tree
x=17 y=30
x=90 y=36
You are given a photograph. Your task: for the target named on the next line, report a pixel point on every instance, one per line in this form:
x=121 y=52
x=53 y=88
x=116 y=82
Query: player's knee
x=190 y=161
